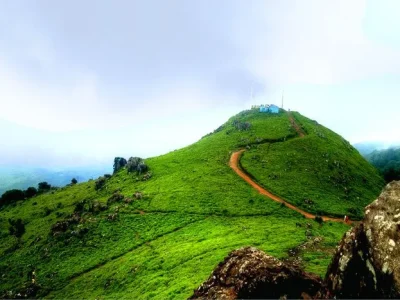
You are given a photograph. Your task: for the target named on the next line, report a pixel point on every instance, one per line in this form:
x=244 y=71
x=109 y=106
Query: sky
x=84 y=81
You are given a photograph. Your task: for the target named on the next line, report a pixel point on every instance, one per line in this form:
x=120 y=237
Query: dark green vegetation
x=321 y=173
x=387 y=162
x=12 y=196
x=160 y=234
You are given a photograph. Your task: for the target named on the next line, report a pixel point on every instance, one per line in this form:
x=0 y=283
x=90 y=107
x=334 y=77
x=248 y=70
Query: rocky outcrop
x=367 y=261
x=366 y=264
x=119 y=163
x=250 y=273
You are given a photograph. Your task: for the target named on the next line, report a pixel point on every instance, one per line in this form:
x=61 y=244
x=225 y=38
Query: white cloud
x=169 y=78
x=34 y=103
x=321 y=42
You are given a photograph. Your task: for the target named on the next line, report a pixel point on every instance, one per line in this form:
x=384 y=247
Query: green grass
x=195 y=211
x=321 y=167
x=173 y=265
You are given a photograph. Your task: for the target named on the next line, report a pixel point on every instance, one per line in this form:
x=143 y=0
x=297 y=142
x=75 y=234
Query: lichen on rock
x=375 y=271
x=366 y=264
x=251 y=273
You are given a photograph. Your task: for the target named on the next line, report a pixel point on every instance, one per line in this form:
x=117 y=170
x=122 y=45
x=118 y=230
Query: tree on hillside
x=43 y=187
x=11 y=196
x=30 y=192
x=391 y=174
x=119 y=163
x=74 y=181
x=17 y=227
x=99 y=183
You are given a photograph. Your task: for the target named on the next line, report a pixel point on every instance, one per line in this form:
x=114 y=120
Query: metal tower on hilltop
x=282 y=97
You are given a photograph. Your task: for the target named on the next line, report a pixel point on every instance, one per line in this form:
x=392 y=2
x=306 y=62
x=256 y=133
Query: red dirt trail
x=234 y=164
x=296 y=126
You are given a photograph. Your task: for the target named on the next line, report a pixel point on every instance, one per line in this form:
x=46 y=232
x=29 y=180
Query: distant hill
x=387 y=162
x=160 y=234
x=22 y=178
x=366 y=148
x=321 y=172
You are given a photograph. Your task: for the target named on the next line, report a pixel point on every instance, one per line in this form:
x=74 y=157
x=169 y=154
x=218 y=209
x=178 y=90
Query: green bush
x=17 y=227
x=319 y=219
x=241 y=125
x=99 y=183
x=116 y=197
x=12 y=196
x=47 y=211
x=43 y=187
x=30 y=192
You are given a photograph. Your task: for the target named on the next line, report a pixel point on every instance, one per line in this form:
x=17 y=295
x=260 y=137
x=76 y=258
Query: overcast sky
x=84 y=81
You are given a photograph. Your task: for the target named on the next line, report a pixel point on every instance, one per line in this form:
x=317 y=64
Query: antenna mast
x=282 y=97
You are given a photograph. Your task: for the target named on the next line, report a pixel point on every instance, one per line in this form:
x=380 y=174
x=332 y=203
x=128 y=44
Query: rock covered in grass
x=251 y=273
x=367 y=261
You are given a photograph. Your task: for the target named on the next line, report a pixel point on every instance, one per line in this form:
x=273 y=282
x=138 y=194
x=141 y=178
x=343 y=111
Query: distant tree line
x=15 y=194
x=133 y=165
x=387 y=162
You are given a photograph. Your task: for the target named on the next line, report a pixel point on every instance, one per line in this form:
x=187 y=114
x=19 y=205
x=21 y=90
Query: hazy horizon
x=83 y=82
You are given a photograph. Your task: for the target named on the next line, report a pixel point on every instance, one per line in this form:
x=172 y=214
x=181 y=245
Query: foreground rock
x=367 y=261
x=366 y=264
x=250 y=273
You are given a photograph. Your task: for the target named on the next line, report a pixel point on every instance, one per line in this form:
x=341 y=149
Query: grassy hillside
x=193 y=212
x=321 y=173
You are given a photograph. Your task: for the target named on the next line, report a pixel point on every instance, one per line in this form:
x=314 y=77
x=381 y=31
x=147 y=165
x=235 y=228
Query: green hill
x=191 y=212
x=387 y=162
x=321 y=173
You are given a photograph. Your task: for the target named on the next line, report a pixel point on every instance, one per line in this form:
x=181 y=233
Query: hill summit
x=160 y=232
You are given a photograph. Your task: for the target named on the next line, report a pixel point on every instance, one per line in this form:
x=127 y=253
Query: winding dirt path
x=234 y=164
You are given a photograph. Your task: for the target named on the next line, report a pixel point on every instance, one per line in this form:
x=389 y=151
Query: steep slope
x=320 y=173
x=191 y=212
